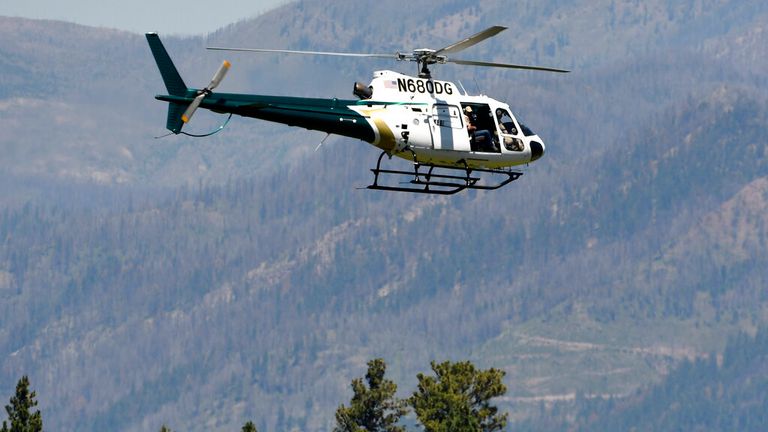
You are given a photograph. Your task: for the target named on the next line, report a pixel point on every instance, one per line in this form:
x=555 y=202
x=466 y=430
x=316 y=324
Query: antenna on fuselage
x=477 y=85
x=463 y=89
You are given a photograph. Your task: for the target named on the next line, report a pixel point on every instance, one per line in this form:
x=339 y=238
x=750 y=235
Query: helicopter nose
x=537 y=150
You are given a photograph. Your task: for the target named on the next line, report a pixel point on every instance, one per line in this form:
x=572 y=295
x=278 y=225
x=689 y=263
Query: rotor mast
x=425 y=57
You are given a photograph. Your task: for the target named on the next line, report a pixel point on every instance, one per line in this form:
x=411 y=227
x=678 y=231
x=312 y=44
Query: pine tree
x=373 y=408
x=249 y=427
x=165 y=428
x=457 y=399
x=19 y=414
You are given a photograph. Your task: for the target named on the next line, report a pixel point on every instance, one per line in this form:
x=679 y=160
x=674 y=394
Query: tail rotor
x=180 y=111
x=202 y=94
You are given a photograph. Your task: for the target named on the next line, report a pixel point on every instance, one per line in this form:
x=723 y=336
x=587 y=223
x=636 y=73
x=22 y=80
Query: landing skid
x=430 y=182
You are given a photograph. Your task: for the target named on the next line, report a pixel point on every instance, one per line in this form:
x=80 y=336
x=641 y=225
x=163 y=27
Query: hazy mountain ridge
x=263 y=296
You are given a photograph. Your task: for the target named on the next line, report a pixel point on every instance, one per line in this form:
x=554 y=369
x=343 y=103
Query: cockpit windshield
x=506 y=124
x=508 y=131
x=526 y=131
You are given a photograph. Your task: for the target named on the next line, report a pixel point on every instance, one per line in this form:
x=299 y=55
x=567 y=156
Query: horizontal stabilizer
x=174 y=122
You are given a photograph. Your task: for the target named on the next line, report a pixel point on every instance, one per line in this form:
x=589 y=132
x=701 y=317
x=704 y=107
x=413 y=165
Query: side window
x=448 y=116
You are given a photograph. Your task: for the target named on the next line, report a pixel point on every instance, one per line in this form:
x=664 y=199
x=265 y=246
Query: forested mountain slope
x=720 y=392
x=298 y=293
x=201 y=283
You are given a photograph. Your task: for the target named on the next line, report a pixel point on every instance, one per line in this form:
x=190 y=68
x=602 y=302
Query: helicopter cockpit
x=508 y=131
x=490 y=131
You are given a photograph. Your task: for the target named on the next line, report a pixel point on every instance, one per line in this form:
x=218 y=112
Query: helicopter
x=454 y=140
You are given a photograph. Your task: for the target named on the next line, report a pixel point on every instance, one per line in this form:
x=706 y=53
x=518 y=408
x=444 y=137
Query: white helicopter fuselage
x=455 y=140
x=429 y=119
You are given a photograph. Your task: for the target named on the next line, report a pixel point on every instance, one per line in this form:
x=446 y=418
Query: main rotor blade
x=219 y=75
x=326 y=53
x=505 y=65
x=472 y=40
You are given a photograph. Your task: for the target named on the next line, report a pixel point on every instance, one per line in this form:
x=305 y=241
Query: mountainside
x=719 y=392
x=202 y=283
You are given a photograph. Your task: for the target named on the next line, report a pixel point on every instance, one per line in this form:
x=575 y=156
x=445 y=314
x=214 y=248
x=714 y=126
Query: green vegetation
x=20 y=414
x=456 y=399
x=249 y=427
x=373 y=408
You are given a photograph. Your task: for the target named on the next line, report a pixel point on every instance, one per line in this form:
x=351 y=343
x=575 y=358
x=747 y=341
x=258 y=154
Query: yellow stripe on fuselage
x=386 y=140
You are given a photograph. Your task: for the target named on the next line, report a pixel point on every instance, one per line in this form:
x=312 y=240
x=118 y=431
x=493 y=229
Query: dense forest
x=205 y=283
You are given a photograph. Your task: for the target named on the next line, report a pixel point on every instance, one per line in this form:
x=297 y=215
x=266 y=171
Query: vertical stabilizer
x=171 y=77
x=173 y=82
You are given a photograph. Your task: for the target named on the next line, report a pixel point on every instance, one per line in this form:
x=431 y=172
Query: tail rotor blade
x=223 y=69
x=215 y=81
x=187 y=116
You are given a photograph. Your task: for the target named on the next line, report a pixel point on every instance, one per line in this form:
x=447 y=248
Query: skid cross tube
x=446 y=184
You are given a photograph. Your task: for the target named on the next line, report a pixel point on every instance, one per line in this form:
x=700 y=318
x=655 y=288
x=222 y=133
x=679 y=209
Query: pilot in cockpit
x=506 y=124
x=507 y=128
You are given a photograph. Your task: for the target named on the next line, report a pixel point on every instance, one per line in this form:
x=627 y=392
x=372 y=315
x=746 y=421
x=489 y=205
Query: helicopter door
x=419 y=131
x=448 y=132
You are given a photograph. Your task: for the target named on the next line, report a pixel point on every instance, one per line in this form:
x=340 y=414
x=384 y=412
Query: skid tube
x=446 y=184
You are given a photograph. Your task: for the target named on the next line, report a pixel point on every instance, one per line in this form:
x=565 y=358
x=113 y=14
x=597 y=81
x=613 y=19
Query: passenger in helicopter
x=468 y=115
x=479 y=139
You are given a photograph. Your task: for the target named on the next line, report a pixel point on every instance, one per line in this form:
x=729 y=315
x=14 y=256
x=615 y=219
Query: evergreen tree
x=373 y=408
x=457 y=399
x=19 y=410
x=165 y=428
x=249 y=427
